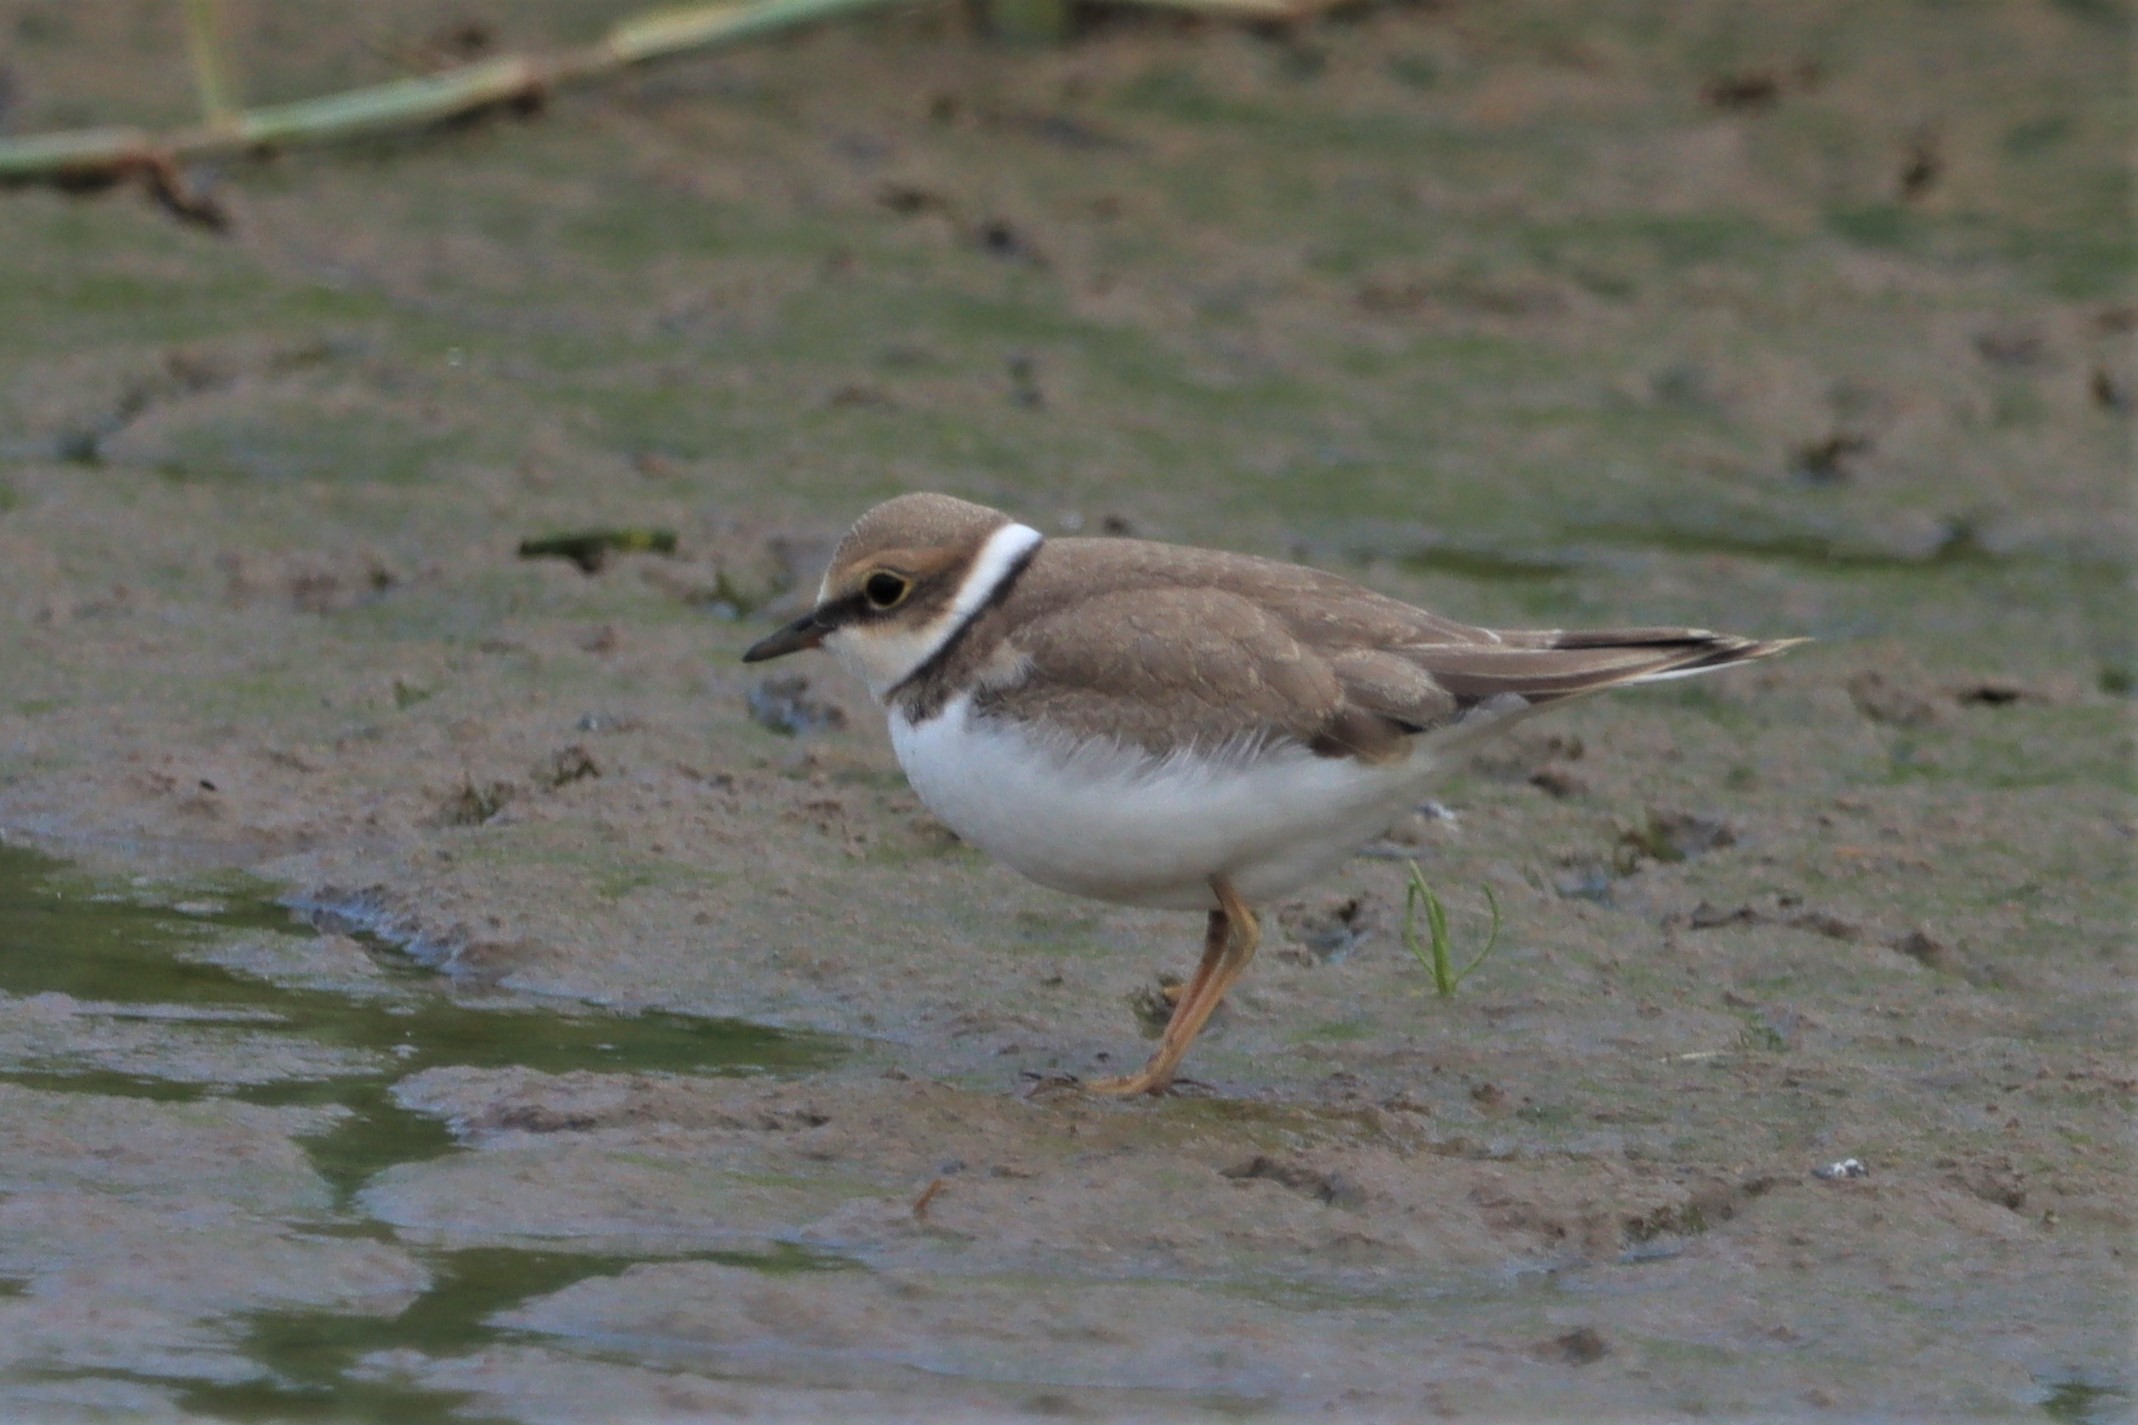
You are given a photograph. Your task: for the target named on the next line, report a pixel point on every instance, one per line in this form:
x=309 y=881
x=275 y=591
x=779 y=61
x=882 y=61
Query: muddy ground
x=1806 y=319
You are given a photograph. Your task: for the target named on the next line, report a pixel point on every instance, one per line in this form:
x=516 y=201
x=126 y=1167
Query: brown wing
x=1548 y=665
x=1424 y=672
x=1164 y=668
x=1426 y=687
x=1182 y=645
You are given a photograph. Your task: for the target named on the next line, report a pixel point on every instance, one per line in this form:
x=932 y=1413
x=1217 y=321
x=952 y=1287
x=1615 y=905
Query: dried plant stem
x=91 y=157
x=205 y=33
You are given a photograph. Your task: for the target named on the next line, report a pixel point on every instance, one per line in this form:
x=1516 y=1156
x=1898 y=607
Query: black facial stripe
x=994 y=598
x=841 y=612
x=856 y=608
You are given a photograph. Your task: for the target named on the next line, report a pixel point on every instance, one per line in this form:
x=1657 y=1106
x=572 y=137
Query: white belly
x=1115 y=824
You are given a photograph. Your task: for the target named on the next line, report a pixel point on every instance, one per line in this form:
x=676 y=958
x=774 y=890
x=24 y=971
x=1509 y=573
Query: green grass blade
x=1492 y=939
x=1434 y=956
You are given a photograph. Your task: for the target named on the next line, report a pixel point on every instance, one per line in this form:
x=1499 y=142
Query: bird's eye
x=884 y=590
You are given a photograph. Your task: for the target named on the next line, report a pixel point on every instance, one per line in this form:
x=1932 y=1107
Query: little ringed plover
x=1155 y=725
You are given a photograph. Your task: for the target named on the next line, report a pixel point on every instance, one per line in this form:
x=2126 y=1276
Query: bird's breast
x=1096 y=818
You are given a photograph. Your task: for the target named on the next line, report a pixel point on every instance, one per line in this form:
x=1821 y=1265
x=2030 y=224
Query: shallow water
x=99 y=956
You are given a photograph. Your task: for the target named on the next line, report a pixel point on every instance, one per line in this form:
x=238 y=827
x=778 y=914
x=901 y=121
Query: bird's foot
x=1154 y=1082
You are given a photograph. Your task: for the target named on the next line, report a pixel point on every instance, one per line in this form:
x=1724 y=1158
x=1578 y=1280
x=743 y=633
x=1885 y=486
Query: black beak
x=805 y=632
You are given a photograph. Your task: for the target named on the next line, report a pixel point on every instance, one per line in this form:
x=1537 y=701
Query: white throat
x=885 y=655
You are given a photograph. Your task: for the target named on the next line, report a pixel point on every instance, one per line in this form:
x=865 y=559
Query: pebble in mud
x=1580 y=1347
x=1328 y=929
x=785 y=704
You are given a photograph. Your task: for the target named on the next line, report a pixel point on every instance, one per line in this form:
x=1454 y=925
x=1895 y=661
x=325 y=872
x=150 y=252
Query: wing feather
x=1169 y=648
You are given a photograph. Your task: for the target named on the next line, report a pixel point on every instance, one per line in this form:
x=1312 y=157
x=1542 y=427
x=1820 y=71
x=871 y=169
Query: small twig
x=1436 y=958
x=920 y=1204
x=181 y=199
x=1037 y=1084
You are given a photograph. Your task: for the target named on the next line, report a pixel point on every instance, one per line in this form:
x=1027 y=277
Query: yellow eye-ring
x=885 y=590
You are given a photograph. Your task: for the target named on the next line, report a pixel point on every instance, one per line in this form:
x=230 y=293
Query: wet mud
x=438 y=981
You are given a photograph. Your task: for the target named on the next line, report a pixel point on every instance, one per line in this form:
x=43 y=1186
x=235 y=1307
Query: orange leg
x=1230 y=943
